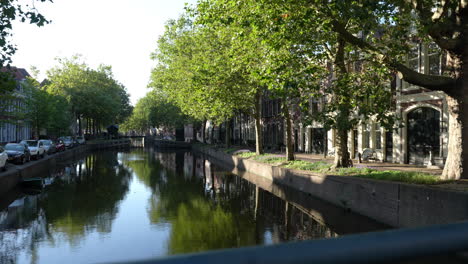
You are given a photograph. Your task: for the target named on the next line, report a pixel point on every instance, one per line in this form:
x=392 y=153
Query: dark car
x=59 y=145
x=17 y=153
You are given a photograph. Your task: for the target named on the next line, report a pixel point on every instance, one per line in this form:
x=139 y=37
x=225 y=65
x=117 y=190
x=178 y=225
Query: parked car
x=59 y=145
x=17 y=153
x=81 y=140
x=3 y=158
x=36 y=148
x=68 y=141
x=49 y=146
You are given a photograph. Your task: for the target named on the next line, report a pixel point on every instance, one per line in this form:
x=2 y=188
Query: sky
x=119 y=33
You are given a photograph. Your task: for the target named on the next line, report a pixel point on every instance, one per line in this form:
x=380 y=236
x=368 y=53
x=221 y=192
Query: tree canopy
x=93 y=94
x=155 y=111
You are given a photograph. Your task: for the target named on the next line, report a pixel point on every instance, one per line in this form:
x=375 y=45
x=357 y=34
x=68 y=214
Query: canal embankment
x=38 y=168
x=394 y=203
x=169 y=144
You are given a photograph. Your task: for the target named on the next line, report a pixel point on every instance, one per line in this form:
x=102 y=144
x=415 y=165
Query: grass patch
x=353 y=171
x=319 y=166
x=269 y=159
x=402 y=176
x=398 y=176
x=246 y=155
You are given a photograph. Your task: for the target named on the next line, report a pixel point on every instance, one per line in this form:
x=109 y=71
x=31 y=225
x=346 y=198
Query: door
x=318 y=140
x=423 y=129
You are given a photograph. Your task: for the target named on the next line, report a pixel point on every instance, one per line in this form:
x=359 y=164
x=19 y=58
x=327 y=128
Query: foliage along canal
x=118 y=206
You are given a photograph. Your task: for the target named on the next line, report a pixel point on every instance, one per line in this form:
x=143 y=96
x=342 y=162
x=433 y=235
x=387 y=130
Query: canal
x=136 y=204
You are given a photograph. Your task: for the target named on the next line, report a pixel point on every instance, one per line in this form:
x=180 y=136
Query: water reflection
x=79 y=199
x=146 y=203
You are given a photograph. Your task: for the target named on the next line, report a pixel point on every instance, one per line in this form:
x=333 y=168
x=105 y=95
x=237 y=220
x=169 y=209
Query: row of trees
x=45 y=110
x=93 y=95
x=73 y=93
x=155 y=111
x=221 y=55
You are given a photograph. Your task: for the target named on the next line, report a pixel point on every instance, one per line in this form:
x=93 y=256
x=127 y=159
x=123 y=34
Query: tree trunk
x=455 y=158
x=342 y=159
x=212 y=134
x=94 y=127
x=79 y=126
x=228 y=133
x=258 y=123
x=325 y=144
x=456 y=165
x=203 y=131
x=289 y=137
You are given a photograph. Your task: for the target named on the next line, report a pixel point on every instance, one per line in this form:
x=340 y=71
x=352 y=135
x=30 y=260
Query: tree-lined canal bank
x=135 y=204
x=396 y=204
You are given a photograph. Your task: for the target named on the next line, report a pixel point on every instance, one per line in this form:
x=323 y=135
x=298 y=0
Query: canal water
x=137 y=204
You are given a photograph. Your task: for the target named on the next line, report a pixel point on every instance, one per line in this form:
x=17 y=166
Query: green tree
x=390 y=29
x=93 y=94
x=195 y=69
x=60 y=116
x=9 y=11
x=15 y=10
x=300 y=61
x=37 y=106
x=270 y=56
x=155 y=110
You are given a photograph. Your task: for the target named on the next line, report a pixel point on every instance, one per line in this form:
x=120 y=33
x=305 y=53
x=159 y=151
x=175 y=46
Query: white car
x=3 y=158
x=36 y=148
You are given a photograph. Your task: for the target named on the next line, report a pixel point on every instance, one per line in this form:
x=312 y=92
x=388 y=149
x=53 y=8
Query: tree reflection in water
x=191 y=206
x=209 y=208
x=80 y=198
x=198 y=223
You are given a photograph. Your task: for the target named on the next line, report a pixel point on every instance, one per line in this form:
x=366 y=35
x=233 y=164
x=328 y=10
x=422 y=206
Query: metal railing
x=378 y=247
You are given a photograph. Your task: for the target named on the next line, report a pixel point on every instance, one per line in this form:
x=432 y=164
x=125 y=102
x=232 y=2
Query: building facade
x=421 y=137
x=14 y=126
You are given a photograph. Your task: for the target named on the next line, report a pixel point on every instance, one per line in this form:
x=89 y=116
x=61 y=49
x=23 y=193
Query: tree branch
x=442 y=31
x=432 y=82
x=339 y=57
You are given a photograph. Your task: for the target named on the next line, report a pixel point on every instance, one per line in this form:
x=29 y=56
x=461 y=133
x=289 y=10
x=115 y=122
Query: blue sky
x=120 y=33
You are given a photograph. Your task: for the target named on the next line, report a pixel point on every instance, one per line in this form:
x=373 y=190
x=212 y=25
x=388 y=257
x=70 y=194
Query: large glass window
x=434 y=54
x=414 y=58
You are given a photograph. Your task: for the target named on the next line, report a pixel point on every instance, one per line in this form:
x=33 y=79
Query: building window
x=378 y=137
x=315 y=106
x=366 y=137
x=433 y=57
x=414 y=58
